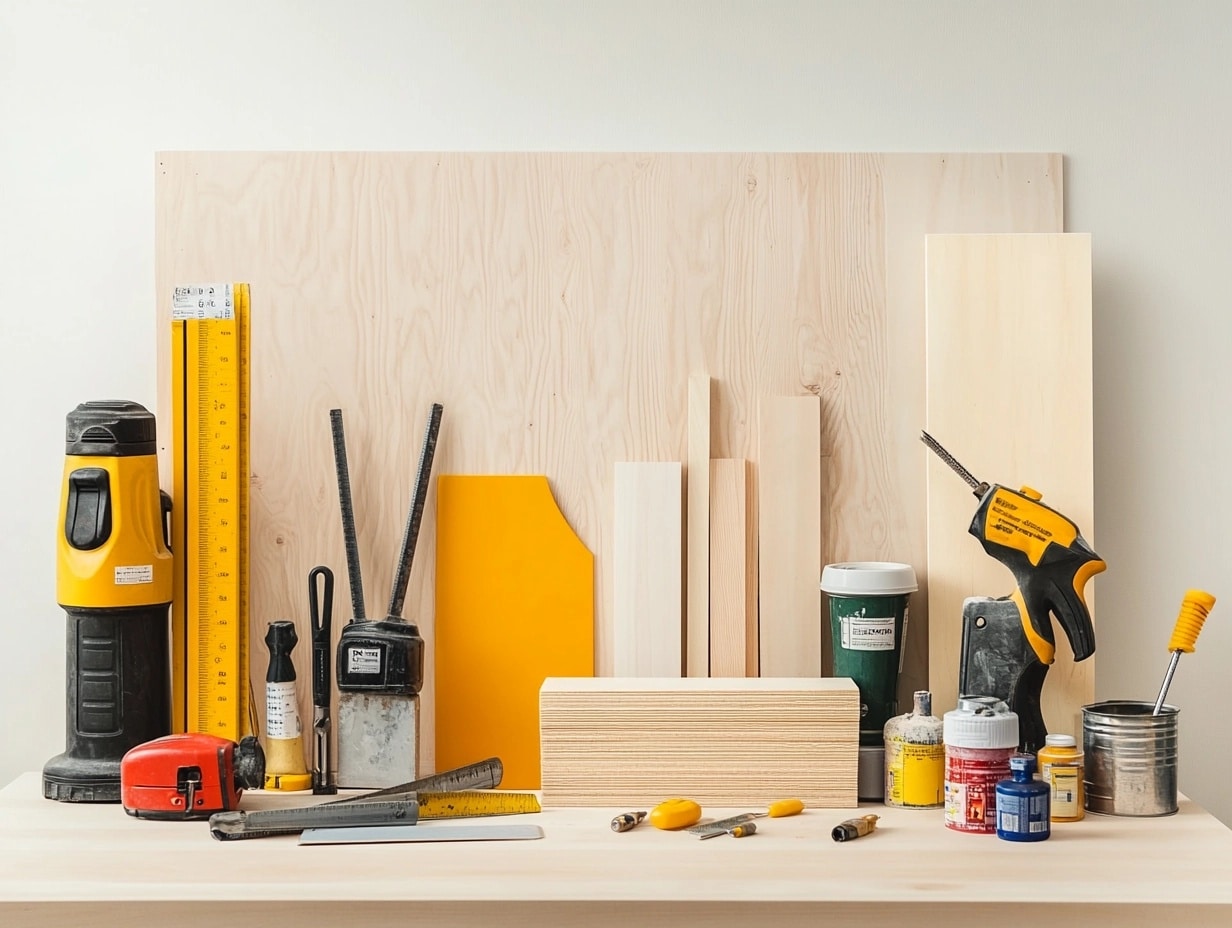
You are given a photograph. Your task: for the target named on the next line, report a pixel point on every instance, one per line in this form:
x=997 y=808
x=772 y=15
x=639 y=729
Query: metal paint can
x=1131 y=758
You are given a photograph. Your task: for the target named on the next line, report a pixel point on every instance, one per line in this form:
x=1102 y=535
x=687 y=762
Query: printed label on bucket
x=863 y=633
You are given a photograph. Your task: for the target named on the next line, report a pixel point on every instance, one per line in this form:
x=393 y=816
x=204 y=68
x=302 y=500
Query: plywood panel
x=733 y=570
x=1009 y=395
x=647 y=613
x=628 y=743
x=789 y=537
x=697 y=512
x=556 y=304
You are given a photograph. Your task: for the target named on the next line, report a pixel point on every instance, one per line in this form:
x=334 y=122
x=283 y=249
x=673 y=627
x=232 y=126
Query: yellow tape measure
x=210 y=396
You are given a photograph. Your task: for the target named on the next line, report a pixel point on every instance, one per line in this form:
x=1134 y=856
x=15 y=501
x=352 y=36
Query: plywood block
x=733 y=570
x=697 y=513
x=629 y=742
x=514 y=605
x=647 y=609
x=789 y=537
x=1009 y=395
x=556 y=304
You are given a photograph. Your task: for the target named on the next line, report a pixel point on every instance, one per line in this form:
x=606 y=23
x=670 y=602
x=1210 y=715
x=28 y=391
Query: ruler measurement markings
x=214 y=495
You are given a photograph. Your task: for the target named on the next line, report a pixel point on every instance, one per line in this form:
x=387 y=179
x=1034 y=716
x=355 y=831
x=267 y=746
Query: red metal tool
x=189 y=776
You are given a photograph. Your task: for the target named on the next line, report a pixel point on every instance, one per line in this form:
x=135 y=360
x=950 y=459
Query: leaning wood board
x=722 y=741
x=697 y=528
x=556 y=305
x=1009 y=395
x=789 y=537
x=514 y=605
x=733 y=569
x=648 y=595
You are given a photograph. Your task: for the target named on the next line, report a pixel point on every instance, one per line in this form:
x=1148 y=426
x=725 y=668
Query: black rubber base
x=73 y=779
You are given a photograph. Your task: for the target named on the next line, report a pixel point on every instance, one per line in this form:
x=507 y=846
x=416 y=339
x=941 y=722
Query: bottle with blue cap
x=1023 y=803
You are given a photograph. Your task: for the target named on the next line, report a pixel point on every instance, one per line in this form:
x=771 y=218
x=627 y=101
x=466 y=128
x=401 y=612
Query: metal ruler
x=238 y=825
x=721 y=827
x=210 y=405
x=387 y=834
x=484 y=774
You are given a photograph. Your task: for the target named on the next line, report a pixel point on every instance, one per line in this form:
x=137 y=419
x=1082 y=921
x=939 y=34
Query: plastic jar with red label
x=980 y=737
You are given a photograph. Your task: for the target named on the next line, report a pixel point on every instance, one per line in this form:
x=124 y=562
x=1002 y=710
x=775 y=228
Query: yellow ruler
x=475 y=804
x=210 y=397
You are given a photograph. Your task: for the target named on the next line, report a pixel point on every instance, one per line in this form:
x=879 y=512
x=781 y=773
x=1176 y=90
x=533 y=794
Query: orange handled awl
x=1194 y=609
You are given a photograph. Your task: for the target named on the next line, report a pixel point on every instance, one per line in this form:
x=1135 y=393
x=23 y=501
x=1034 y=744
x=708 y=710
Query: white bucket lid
x=980 y=722
x=868 y=578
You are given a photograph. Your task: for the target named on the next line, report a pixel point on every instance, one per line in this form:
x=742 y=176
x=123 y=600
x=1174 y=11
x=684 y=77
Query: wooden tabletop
x=92 y=865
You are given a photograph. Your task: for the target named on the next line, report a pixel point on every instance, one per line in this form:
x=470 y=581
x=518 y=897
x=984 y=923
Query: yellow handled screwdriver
x=1194 y=609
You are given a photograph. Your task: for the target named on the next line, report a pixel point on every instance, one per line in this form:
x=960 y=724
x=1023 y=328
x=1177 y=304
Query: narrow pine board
x=733 y=570
x=647 y=574
x=514 y=605
x=789 y=537
x=632 y=742
x=556 y=304
x=1010 y=396
x=697 y=514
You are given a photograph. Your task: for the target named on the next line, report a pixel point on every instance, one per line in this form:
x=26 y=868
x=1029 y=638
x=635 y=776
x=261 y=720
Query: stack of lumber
x=719 y=741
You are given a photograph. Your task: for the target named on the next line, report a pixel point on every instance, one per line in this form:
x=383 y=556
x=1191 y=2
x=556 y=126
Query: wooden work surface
x=557 y=305
x=92 y=866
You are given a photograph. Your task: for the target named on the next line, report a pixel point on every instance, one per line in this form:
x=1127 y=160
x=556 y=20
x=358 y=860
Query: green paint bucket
x=867 y=604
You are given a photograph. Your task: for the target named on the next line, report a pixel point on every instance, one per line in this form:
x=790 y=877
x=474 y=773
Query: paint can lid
x=868 y=578
x=1060 y=741
x=980 y=722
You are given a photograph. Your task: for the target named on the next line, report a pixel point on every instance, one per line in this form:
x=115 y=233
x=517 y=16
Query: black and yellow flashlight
x=113 y=579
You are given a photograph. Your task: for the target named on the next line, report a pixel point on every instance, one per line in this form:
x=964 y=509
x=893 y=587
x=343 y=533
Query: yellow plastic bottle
x=1060 y=764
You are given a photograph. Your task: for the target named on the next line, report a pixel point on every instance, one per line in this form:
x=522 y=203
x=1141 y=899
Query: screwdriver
x=1194 y=609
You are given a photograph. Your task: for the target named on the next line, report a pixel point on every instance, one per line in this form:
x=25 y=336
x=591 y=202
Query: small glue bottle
x=1023 y=803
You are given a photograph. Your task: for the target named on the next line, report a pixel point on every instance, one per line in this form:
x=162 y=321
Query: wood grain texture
x=1010 y=396
x=733 y=569
x=697 y=540
x=789 y=537
x=647 y=613
x=556 y=305
x=100 y=868
x=720 y=741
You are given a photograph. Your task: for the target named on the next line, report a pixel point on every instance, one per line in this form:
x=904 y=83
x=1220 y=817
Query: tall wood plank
x=697 y=513
x=789 y=537
x=647 y=569
x=556 y=304
x=1009 y=395
x=733 y=570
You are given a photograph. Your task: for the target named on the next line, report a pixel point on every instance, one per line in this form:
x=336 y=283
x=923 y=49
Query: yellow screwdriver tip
x=1194 y=610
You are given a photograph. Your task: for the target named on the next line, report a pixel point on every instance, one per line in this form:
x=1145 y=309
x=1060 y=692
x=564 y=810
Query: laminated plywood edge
x=602 y=745
x=680 y=685
x=646 y=556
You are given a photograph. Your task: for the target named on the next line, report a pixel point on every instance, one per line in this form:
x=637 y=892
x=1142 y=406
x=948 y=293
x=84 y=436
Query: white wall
x=1137 y=95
